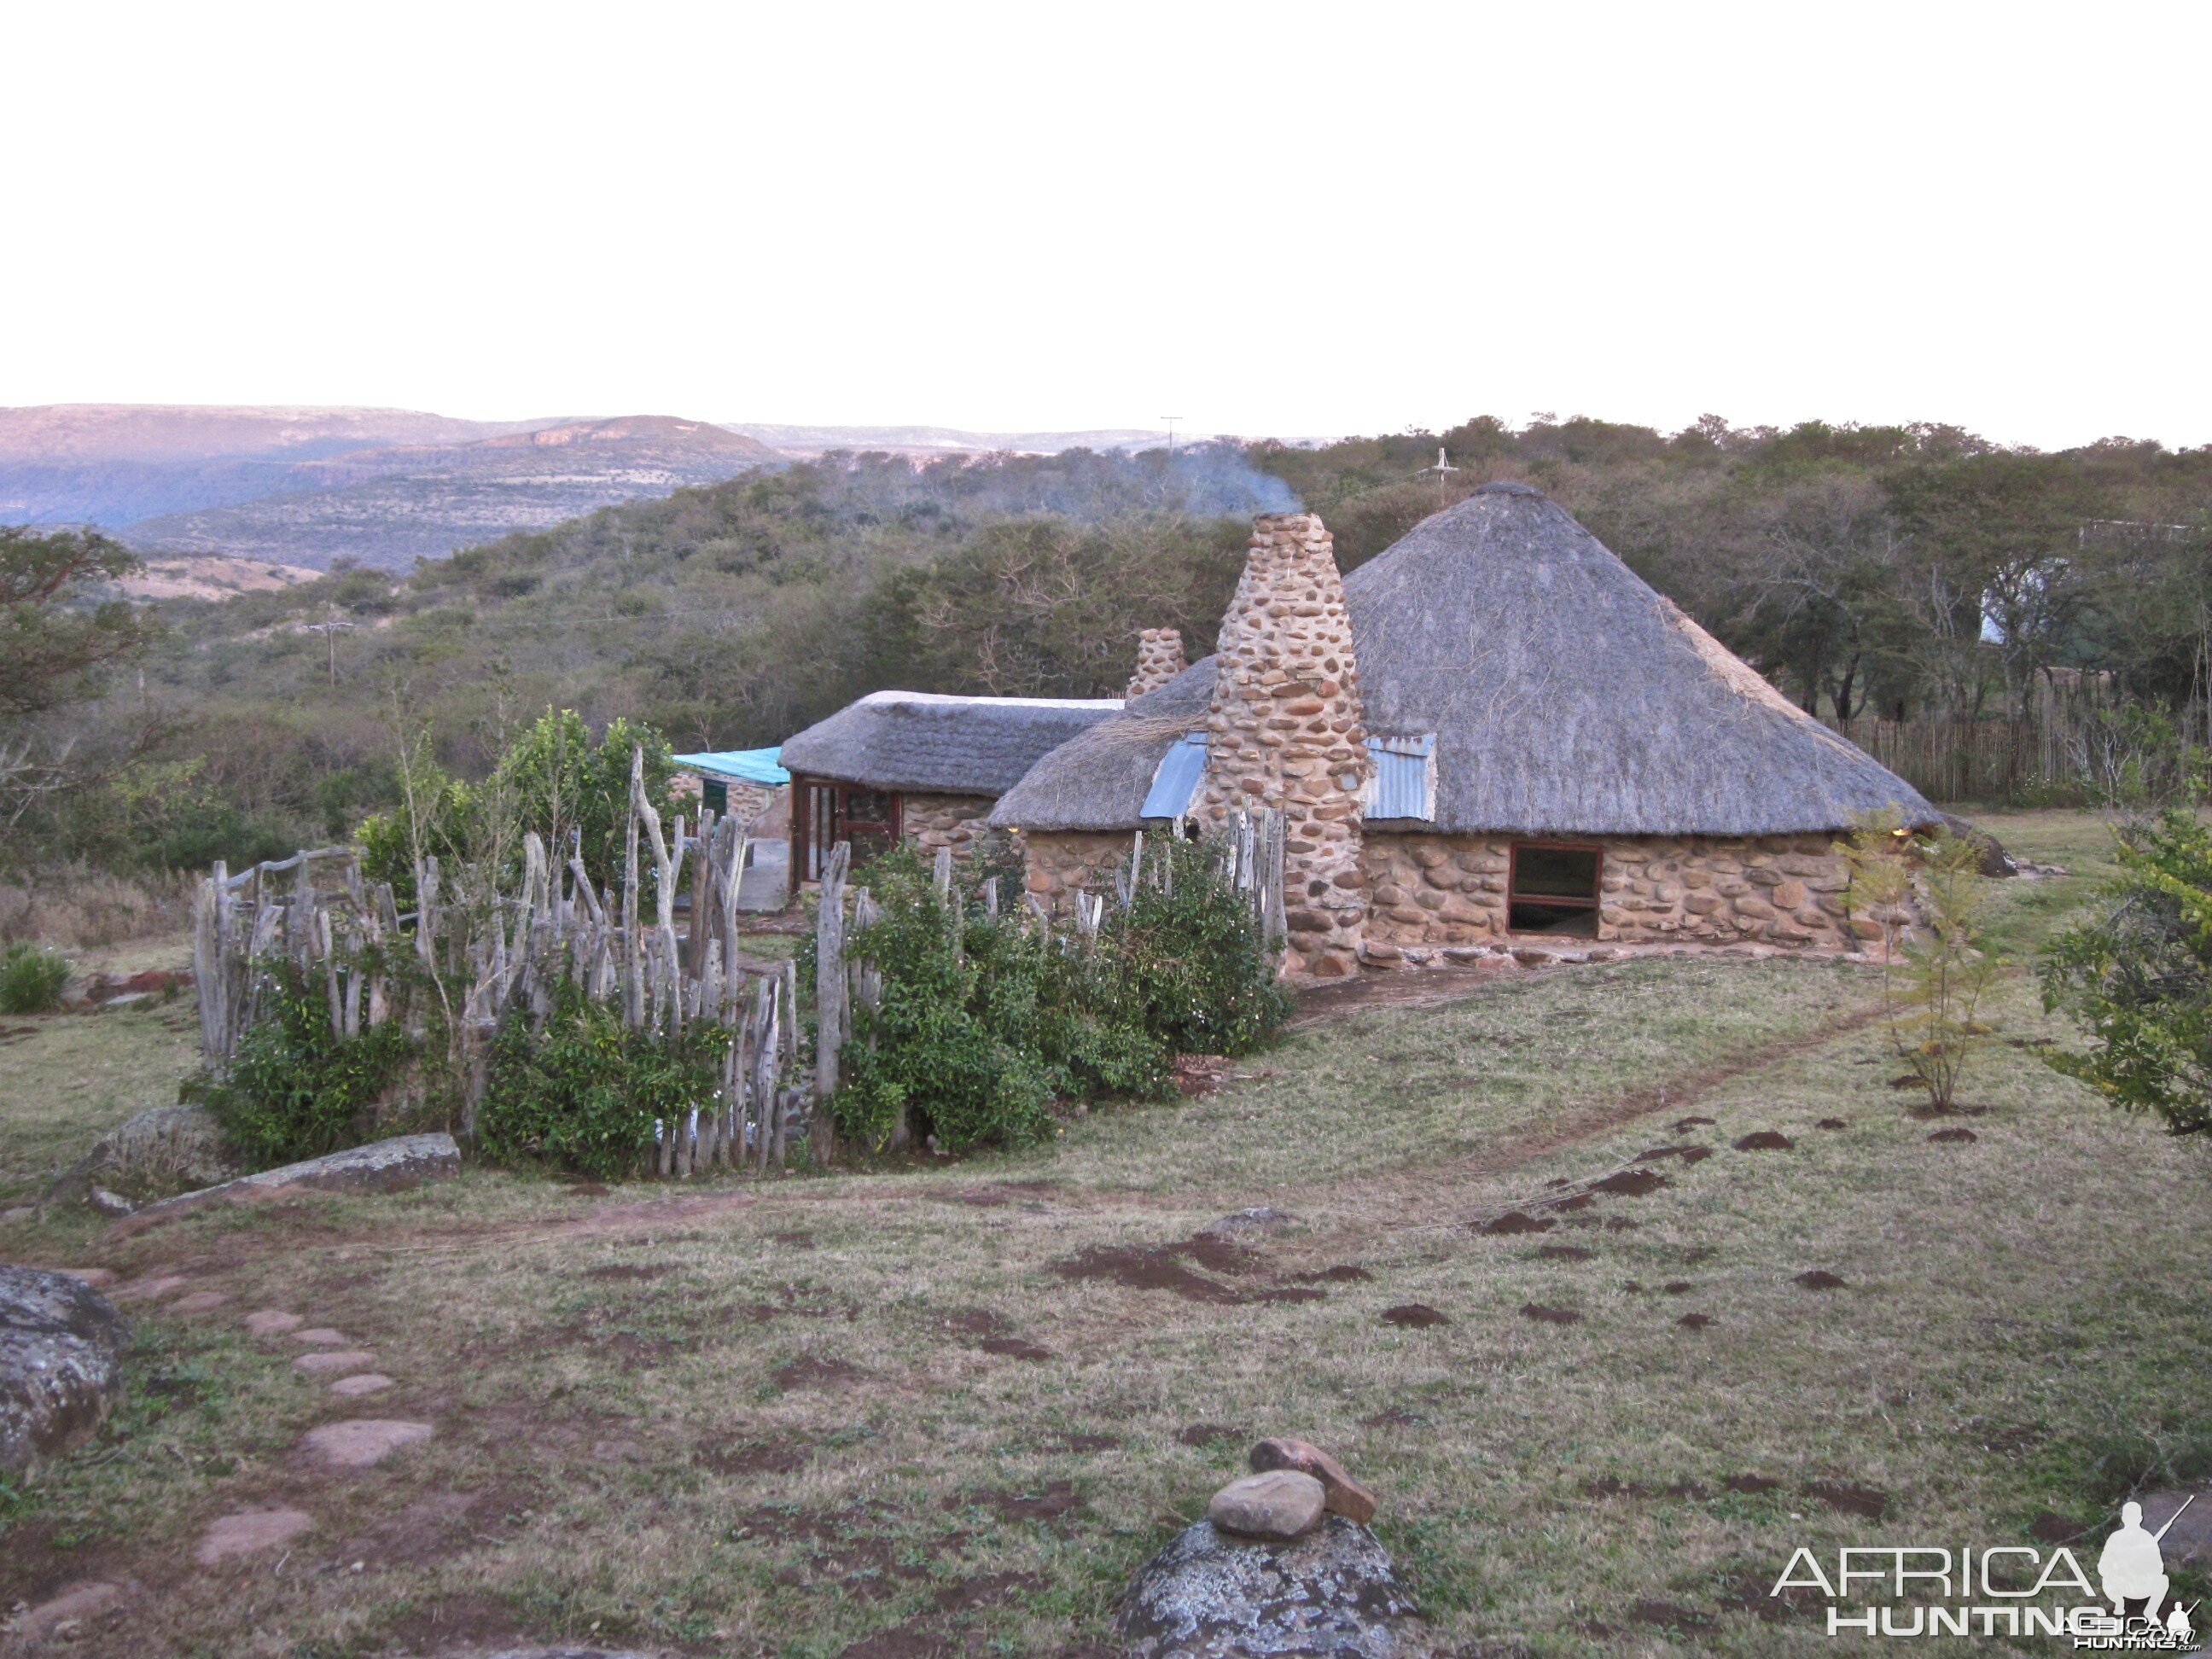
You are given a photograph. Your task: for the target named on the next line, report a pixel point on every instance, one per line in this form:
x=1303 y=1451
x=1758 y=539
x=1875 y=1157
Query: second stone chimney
x=1285 y=731
x=1159 y=660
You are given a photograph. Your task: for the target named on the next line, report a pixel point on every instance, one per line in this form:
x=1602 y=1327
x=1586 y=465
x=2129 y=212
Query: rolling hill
x=114 y=464
x=387 y=506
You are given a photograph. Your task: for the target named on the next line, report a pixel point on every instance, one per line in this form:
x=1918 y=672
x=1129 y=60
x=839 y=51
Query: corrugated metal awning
x=746 y=765
x=1175 y=779
x=1405 y=784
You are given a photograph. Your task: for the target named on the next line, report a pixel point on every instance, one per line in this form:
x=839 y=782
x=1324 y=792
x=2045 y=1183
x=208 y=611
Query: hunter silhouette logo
x=2133 y=1568
x=2006 y=1590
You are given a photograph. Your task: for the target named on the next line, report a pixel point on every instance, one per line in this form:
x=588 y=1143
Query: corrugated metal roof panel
x=1176 y=778
x=1404 y=784
x=751 y=765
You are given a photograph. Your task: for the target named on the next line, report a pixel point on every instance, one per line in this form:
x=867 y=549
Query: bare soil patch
x=1208 y=1434
x=1630 y=1183
x=1565 y=1253
x=1764 y=1140
x=1848 y=1497
x=1819 y=1279
x=1695 y=1321
x=810 y=1372
x=755 y=1457
x=1544 y=1316
x=1415 y=1317
x=1952 y=1137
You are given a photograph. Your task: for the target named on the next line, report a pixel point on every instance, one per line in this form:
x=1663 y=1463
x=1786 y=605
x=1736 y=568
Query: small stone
x=198 y=1301
x=271 y=1321
x=351 y=1387
x=322 y=1336
x=109 y=1203
x=1279 y=1504
x=366 y=1441
x=334 y=1359
x=250 y=1533
x=1342 y=1494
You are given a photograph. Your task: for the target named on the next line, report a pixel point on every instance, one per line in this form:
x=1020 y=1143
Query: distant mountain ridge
x=392 y=506
x=114 y=464
x=302 y=486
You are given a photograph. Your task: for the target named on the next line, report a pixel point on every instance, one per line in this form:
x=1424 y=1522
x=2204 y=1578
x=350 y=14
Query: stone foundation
x=1059 y=862
x=1428 y=890
x=929 y=821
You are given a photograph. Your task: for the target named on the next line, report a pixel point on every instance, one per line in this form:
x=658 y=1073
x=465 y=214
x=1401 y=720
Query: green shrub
x=981 y=1025
x=1193 y=962
x=582 y=1093
x=31 y=979
x=295 y=1089
x=2138 y=978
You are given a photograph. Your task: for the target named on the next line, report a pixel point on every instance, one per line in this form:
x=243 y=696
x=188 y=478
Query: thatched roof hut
x=917 y=741
x=1566 y=698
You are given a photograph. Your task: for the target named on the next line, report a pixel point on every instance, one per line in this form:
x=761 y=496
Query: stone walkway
x=328 y=1357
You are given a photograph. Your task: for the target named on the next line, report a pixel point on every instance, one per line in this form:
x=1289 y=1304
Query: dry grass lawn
x=950 y=1408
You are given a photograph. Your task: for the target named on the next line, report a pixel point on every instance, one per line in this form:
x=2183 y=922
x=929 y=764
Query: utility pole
x=330 y=628
x=1171 y=420
x=1443 y=470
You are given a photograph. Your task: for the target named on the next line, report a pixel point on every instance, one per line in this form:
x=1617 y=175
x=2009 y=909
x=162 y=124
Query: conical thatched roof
x=1567 y=697
x=917 y=740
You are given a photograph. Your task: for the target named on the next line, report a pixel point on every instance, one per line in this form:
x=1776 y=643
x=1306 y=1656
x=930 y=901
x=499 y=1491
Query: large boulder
x=171 y=1149
x=61 y=1363
x=382 y=1166
x=1995 y=860
x=1208 y=1596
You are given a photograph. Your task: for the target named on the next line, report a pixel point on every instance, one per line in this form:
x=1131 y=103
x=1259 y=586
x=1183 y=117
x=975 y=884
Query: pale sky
x=1269 y=218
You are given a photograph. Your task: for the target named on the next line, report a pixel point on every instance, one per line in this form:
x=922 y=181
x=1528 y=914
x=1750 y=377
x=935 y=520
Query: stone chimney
x=1285 y=731
x=1159 y=660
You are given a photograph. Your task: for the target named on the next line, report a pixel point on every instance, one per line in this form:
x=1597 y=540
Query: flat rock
x=352 y=1388
x=61 y=1363
x=364 y=1441
x=1341 y=1494
x=98 y=1277
x=334 y=1359
x=1208 y=1596
x=382 y=1166
x=249 y=1532
x=198 y=1301
x=271 y=1321
x=322 y=1336
x=168 y=1149
x=85 y=1598
x=151 y=1289
x=1281 y=1503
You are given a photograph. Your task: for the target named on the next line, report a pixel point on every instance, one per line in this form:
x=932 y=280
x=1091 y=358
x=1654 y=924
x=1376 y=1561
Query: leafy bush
x=295 y=1089
x=2138 y=978
x=31 y=979
x=581 y=1094
x=981 y=1024
x=1200 y=976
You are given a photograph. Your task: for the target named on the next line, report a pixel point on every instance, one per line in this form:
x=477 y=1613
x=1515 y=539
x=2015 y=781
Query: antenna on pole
x=1442 y=467
x=1171 y=420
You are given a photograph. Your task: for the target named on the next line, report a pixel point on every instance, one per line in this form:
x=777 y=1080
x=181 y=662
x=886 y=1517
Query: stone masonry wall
x=1159 y=660
x=1428 y=890
x=1059 y=862
x=1285 y=731
x=956 y=821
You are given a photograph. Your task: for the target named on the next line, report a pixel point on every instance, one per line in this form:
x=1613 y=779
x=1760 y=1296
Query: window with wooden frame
x=1553 y=888
x=823 y=813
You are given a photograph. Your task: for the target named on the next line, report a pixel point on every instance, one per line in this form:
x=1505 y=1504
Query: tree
x=2138 y=978
x=57 y=632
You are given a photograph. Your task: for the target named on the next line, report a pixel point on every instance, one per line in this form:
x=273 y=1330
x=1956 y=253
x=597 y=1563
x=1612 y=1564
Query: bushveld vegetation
x=1916 y=571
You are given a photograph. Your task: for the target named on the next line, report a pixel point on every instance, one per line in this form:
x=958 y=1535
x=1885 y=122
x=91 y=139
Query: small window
x=1553 y=889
